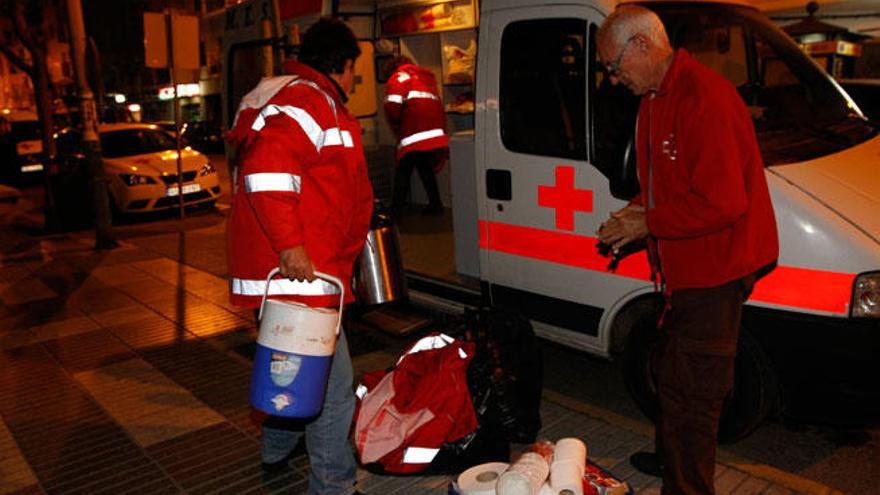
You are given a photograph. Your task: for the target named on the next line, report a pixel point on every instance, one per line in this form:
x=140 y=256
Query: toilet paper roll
x=525 y=476
x=571 y=449
x=481 y=479
x=566 y=477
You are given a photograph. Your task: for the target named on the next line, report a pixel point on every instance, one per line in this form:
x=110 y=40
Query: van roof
x=603 y=5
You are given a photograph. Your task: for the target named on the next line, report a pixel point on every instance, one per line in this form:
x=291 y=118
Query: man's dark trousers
x=424 y=162
x=695 y=373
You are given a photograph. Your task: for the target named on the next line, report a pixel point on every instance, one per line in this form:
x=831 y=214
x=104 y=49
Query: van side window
x=543 y=87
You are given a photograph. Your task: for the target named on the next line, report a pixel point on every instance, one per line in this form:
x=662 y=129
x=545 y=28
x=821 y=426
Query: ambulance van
x=549 y=156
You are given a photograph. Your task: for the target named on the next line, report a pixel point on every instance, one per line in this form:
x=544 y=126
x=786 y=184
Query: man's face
x=346 y=79
x=626 y=63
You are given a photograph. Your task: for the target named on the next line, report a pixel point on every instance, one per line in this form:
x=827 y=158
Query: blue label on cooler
x=284 y=368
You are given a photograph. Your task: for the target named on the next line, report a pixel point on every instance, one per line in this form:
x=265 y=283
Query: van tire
x=753 y=397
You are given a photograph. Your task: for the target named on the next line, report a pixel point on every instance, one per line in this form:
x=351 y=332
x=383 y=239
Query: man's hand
x=626 y=225
x=295 y=264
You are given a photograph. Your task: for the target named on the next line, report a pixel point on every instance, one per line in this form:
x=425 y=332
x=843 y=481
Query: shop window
x=543 y=87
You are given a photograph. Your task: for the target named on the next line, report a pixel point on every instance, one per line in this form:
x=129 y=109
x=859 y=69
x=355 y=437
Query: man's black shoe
x=648 y=463
x=277 y=466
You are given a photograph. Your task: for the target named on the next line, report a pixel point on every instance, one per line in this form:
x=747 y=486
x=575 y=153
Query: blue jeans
x=332 y=464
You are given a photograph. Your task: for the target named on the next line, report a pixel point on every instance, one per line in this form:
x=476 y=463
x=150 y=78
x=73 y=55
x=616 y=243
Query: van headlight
x=866 y=296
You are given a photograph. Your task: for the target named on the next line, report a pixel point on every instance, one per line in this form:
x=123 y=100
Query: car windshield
x=799 y=112
x=130 y=142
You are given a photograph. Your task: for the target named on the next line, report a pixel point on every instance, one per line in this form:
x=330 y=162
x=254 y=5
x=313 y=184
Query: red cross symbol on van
x=565 y=198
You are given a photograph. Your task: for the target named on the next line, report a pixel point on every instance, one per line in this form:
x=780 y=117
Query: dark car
x=203 y=136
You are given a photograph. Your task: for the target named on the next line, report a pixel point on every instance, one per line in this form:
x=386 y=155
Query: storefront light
x=119 y=98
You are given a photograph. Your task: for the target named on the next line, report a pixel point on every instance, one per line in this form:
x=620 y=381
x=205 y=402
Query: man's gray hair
x=629 y=20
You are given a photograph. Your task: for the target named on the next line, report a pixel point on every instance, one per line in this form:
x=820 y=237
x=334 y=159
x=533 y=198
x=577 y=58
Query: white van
x=548 y=159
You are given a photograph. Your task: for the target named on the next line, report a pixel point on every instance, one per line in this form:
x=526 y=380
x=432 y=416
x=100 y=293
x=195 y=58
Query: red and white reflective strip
x=282 y=287
x=264 y=182
x=419 y=455
x=829 y=292
x=411 y=96
x=421 y=136
x=319 y=137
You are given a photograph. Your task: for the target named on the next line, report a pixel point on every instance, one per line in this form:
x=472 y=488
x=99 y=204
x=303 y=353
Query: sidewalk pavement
x=126 y=372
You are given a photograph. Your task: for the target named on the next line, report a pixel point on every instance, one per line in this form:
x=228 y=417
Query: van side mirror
x=624 y=182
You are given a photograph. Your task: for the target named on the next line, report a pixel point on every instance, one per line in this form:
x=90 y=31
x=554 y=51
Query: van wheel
x=753 y=397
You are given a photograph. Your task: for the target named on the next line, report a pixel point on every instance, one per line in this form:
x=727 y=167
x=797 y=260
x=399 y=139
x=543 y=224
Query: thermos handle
x=325 y=276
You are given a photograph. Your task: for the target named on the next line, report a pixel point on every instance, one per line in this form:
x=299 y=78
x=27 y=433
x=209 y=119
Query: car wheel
x=753 y=397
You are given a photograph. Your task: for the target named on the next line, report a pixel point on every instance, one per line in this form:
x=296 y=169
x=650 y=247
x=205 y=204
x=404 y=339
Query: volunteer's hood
x=847 y=182
x=156 y=164
x=425 y=75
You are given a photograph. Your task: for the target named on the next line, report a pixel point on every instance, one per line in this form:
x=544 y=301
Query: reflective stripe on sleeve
x=421 y=94
x=421 y=136
x=394 y=98
x=335 y=137
x=419 y=455
x=283 y=287
x=271 y=182
x=318 y=136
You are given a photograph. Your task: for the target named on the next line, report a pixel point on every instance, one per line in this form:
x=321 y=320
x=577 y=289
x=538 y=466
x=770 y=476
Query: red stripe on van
x=790 y=286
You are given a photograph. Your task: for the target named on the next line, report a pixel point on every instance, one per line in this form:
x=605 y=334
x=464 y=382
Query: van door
x=542 y=199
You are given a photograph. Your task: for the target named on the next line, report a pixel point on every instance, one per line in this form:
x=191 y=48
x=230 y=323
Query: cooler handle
x=329 y=278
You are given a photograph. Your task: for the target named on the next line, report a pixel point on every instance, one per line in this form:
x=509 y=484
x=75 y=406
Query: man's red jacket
x=703 y=183
x=414 y=109
x=301 y=180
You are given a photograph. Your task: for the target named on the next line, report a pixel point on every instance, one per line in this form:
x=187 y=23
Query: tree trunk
x=97 y=179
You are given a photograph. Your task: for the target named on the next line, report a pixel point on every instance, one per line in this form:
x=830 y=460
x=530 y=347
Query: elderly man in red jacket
x=416 y=114
x=302 y=202
x=705 y=209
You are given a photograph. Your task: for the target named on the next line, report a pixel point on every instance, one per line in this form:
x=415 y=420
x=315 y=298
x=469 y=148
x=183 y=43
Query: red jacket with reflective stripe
x=414 y=109
x=710 y=212
x=301 y=180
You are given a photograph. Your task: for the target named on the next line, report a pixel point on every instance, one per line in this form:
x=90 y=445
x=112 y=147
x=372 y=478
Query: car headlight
x=866 y=296
x=135 y=179
x=207 y=169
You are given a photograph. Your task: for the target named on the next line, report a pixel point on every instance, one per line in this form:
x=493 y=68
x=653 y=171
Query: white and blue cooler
x=295 y=349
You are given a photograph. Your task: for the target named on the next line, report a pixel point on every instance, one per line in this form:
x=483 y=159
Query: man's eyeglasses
x=614 y=68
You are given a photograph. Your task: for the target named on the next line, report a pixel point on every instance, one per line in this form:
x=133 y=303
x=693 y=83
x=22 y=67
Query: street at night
x=442 y=247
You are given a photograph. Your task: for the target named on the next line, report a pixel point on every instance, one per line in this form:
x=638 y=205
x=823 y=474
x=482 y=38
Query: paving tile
x=59 y=429
x=114 y=275
x=15 y=473
x=98 y=301
x=89 y=350
x=206 y=455
x=63 y=328
x=729 y=480
x=751 y=486
x=122 y=315
x=150 y=406
x=149 y=332
x=25 y=291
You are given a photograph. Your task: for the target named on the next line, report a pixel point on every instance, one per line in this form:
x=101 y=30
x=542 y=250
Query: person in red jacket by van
x=302 y=202
x=415 y=112
x=705 y=210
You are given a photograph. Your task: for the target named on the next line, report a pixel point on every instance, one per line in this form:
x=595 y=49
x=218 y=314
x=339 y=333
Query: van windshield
x=799 y=112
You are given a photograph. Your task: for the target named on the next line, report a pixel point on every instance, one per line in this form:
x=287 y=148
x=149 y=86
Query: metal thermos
x=379 y=277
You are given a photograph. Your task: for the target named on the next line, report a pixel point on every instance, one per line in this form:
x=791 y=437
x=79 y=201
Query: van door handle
x=498 y=184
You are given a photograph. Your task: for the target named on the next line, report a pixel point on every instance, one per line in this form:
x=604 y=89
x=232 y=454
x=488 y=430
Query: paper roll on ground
x=525 y=476
x=566 y=477
x=571 y=449
x=481 y=479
